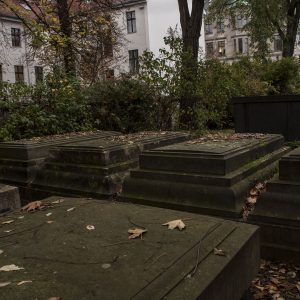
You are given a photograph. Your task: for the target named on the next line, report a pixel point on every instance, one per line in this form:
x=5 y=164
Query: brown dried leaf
x=32 y=206
x=260 y=288
x=254 y=192
x=8 y=222
x=54 y=298
x=137 y=232
x=275 y=281
x=3 y=284
x=175 y=224
x=24 y=281
x=219 y=252
x=298 y=286
x=251 y=200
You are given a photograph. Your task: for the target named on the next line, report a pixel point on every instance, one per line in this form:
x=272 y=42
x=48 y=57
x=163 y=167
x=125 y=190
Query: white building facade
x=228 y=42
x=17 y=65
x=15 y=62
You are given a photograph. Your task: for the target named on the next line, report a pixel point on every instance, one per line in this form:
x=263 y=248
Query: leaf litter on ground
x=32 y=206
x=136 y=232
x=175 y=224
x=9 y=268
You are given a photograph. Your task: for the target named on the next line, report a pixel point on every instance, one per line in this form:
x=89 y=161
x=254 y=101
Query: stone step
x=9 y=198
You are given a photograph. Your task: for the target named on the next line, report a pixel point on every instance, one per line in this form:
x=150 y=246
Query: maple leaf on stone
x=219 y=252
x=175 y=224
x=137 y=232
x=32 y=206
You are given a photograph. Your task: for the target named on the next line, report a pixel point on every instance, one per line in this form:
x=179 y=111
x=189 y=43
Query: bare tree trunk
x=66 y=29
x=293 y=17
x=191 y=29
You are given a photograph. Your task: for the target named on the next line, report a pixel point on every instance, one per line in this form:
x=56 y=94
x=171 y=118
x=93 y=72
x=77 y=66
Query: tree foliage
x=77 y=35
x=265 y=19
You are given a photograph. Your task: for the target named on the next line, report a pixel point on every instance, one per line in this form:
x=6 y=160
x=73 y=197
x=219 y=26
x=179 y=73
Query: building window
x=221 y=48
x=110 y=74
x=239 y=22
x=133 y=61
x=16 y=37
x=246 y=45
x=210 y=49
x=240 y=45
x=208 y=27
x=39 y=74
x=220 y=26
x=277 y=44
x=19 y=73
x=1 y=78
x=131 y=21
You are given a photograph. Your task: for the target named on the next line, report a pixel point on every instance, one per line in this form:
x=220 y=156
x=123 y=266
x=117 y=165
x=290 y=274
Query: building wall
x=11 y=56
x=133 y=41
x=232 y=36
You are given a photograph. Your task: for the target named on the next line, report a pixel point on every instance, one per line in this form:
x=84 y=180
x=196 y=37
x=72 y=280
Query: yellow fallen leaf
x=3 y=284
x=9 y=268
x=24 y=281
x=175 y=224
x=32 y=206
x=8 y=222
x=219 y=252
x=70 y=209
x=137 y=232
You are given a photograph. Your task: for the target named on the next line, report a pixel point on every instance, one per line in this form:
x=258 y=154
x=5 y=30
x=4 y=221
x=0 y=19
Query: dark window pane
x=133 y=61
x=19 y=73
x=131 y=21
x=39 y=74
x=16 y=37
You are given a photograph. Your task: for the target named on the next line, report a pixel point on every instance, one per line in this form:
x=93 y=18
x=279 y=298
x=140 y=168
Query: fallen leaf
x=8 y=222
x=1 y=251
x=8 y=231
x=253 y=193
x=298 y=286
x=9 y=268
x=24 y=281
x=261 y=288
x=49 y=222
x=251 y=200
x=58 y=201
x=48 y=214
x=275 y=281
x=292 y=274
x=32 y=206
x=21 y=217
x=175 y=224
x=219 y=252
x=260 y=186
x=90 y=227
x=70 y=209
x=54 y=298
x=137 y=232
x=3 y=284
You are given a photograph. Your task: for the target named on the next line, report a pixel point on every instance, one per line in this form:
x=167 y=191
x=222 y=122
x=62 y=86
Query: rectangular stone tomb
x=9 y=198
x=97 y=168
x=104 y=264
x=278 y=211
x=20 y=160
x=210 y=176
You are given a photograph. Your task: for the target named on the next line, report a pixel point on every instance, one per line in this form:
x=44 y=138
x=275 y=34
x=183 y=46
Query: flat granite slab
x=278 y=211
x=62 y=258
x=9 y=198
x=97 y=167
x=210 y=176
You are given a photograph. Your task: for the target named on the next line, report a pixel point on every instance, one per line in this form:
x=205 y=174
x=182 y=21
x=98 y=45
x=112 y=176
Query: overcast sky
x=162 y=15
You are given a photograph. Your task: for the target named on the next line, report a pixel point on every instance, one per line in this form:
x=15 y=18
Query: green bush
x=53 y=107
x=127 y=105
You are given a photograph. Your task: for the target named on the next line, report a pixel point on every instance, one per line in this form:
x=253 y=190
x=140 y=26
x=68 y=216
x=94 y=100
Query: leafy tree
x=265 y=18
x=191 y=27
x=77 y=35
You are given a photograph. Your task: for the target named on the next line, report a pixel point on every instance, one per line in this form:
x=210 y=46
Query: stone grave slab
x=97 y=167
x=20 y=160
x=9 y=198
x=211 y=176
x=104 y=264
x=278 y=211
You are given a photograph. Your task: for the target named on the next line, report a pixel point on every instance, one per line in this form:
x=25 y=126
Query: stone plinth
x=20 y=161
x=210 y=177
x=97 y=168
x=104 y=264
x=278 y=211
x=9 y=198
